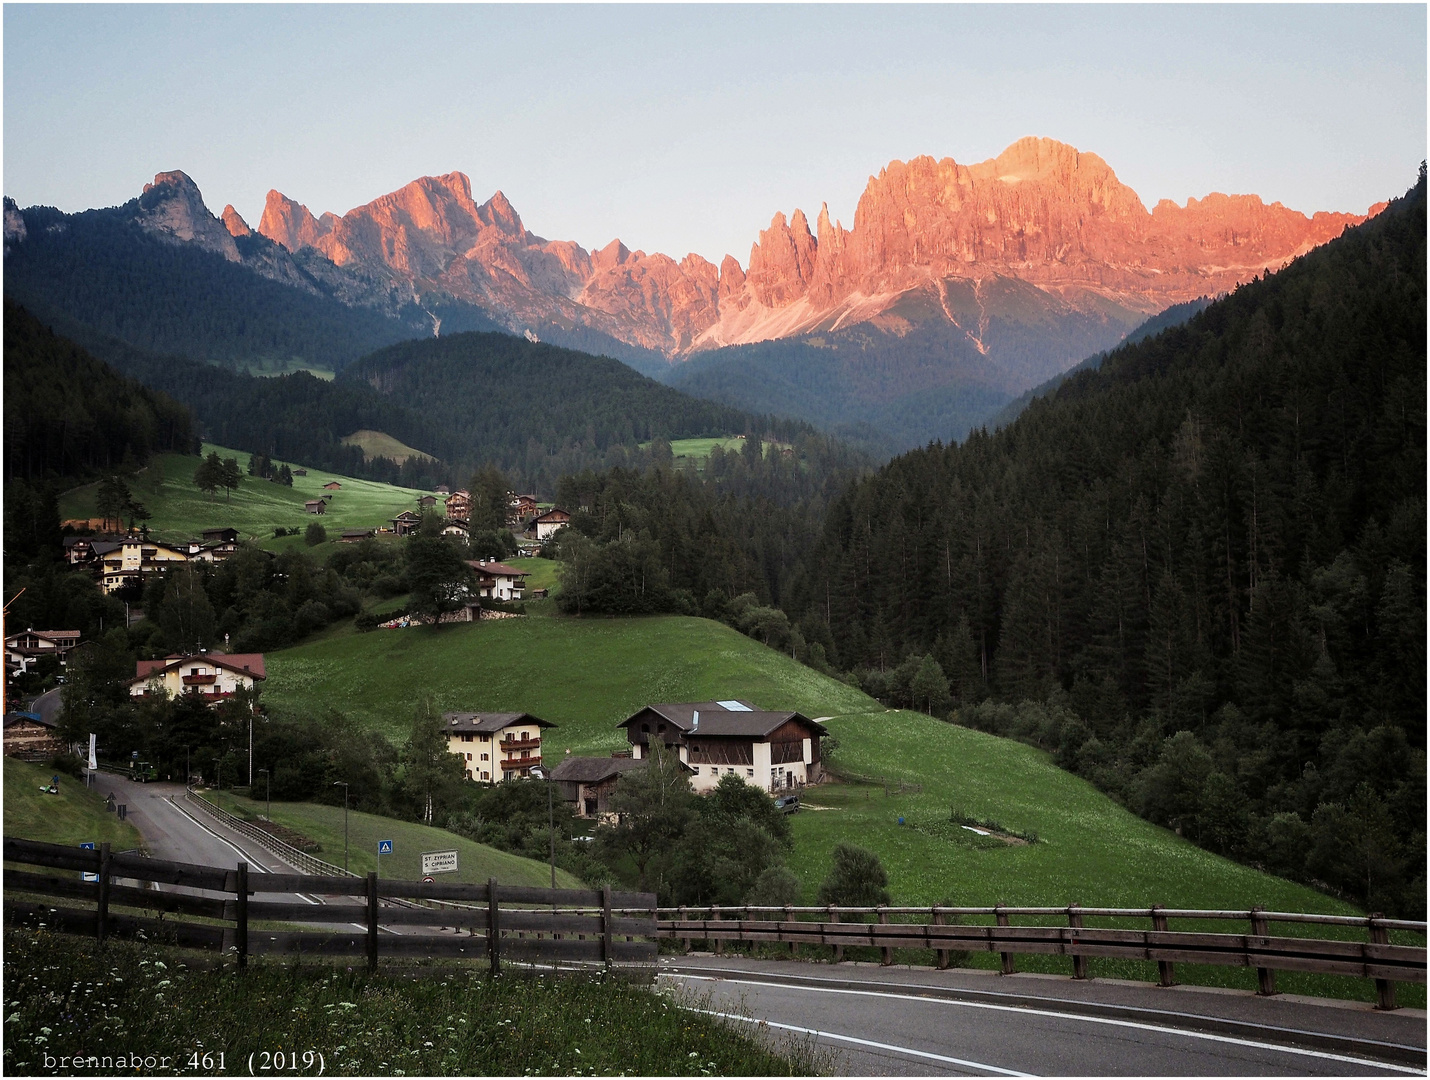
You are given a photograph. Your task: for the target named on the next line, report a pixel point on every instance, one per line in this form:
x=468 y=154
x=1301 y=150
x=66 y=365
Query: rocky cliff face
x=1041 y=213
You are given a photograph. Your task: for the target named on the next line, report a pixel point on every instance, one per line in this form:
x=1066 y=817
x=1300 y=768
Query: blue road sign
x=85 y=876
x=384 y=847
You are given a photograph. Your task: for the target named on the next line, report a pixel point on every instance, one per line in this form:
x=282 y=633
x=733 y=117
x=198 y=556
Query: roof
x=496 y=569
x=34 y=718
x=71 y=541
x=592 y=770
x=488 y=722
x=357 y=532
x=332 y=484
x=718 y=718
x=242 y=663
x=57 y=636
x=104 y=547
x=313 y=502
x=550 y=514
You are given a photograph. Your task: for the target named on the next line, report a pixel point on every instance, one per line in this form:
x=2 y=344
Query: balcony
x=514 y=764
x=200 y=680
x=520 y=744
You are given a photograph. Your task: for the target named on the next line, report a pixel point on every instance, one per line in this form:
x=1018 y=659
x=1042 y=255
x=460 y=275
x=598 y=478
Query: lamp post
x=344 y=785
x=267 y=794
x=250 y=750
x=541 y=774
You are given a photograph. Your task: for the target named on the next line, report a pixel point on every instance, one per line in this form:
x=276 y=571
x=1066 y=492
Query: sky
x=685 y=127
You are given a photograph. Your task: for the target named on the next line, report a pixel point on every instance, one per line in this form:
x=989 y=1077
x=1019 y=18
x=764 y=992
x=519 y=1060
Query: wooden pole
x=372 y=920
x=1166 y=975
x=942 y=954
x=1002 y=919
x=838 y=949
x=606 y=950
x=240 y=915
x=493 y=927
x=1384 y=988
x=1265 y=977
x=101 y=911
x=1075 y=922
x=888 y=952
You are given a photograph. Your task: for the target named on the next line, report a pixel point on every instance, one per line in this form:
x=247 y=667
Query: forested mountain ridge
x=1220 y=531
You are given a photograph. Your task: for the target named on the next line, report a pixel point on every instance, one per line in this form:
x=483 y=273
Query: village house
x=24 y=650
x=495 y=746
x=79 y=549
x=406 y=522
x=355 y=536
x=315 y=506
x=31 y=737
x=775 y=751
x=443 y=489
x=300 y=472
x=226 y=535
x=332 y=485
x=427 y=502
x=521 y=508
x=131 y=560
x=589 y=782
x=498 y=581
x=212 y=675
x=548 y=524
x=459 y=506
x=457 y=529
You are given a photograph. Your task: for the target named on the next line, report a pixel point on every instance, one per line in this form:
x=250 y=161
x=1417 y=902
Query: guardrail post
x=1265 y=977
x=1075 y=923
x=493 y=927
x=372 y=920
x=888 y=952
x=719 y=942
x=1384 y=988
x=101 y=911
x=793 y=945
x=1001 y=918
x=240 y=914
x=606 y=950
x=942 y=954
x=838 y=949
x=1166 y=976
x=683 y=918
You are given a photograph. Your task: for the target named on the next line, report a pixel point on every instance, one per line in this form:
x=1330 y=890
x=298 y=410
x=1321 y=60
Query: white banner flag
x=93 y=764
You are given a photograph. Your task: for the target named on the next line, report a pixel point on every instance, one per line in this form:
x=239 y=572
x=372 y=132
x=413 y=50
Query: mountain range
x=957 y=288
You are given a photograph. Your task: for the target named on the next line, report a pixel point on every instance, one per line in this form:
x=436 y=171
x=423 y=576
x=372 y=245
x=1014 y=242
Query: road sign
x=428 y=880
x=84 y=874
x=384 y=847
x=439 y=862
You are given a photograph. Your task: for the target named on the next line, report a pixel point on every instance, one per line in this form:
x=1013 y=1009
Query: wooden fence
x=944 y=930
x=492 y=922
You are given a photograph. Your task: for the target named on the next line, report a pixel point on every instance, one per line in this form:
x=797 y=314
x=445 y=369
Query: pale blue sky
x=683 y=128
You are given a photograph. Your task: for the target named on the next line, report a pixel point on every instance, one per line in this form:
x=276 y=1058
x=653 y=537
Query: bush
x=857 y=879
x=775 y=887
x=315 y=534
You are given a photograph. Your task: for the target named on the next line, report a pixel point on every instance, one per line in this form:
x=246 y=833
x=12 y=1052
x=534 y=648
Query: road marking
x=866 y=1042
x=1106 y=1021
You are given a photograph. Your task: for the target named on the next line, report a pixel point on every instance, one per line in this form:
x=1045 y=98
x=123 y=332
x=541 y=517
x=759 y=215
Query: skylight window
x=734 y=706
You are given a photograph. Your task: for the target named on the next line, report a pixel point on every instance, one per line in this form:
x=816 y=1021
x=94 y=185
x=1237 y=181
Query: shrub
x=776 y=886
x=315 y=534
x=857 y=879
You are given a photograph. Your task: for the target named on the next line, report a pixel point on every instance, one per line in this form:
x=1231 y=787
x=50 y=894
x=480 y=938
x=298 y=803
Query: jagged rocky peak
x=15 y=231
x=234 y=223
x=290 y=223
x=172 y=207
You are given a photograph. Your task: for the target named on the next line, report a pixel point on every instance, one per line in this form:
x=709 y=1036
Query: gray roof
x=33 y=718
x=592 y=770
x=717 y=719
x=487 y=723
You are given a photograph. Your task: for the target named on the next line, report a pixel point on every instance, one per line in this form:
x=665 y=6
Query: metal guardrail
x=946 y=932
x=301 y=859
x=495 y=930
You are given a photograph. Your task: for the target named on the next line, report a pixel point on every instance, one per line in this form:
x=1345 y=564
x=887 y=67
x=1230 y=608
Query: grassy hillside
x=74 y=816
x=583 y=674
x=475 y=862
x=380 y=444
x=181 y=511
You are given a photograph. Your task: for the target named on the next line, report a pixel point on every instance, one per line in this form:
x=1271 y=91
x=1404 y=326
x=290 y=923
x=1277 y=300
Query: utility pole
x=540 y=773
x=267 y=794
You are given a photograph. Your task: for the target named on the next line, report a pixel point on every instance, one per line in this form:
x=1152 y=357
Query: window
x=469 y=774
x=469 y=757
x=486 y=757
x=467 y=738
x=486 y=776
x=486 y=738
x=749 y=772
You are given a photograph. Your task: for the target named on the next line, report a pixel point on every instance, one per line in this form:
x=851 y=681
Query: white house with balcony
x=495 y=746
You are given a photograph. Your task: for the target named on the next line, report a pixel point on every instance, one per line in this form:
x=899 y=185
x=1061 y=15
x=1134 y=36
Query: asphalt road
x=908 y=1022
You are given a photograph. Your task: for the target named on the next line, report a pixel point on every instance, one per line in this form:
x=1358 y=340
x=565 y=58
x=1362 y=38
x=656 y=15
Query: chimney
x=695 y=724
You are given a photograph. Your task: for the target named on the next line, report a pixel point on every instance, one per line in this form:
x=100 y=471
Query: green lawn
x=475 y=862
x=381 y=444
x=584 y=675
x=74 y=816
x=542 y=571
x=699 y=449
x=181 y=511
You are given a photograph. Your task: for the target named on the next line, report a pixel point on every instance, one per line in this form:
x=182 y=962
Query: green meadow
x=75 y=816
x=380 y=444
x=476 y=863
x=181 y=511
x=585 y=675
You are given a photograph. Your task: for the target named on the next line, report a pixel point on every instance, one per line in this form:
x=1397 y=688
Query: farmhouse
x=211 y=675
x=495 y=746
x=443 y=489
x=456 y=529
x=426 y=502
x=79 y=549
x=498 y=581
x=549 y=523
x=30 y=736
x=315 y=506
x=589 y=782
x=521 y=508
x=130 y=560
x=332 y=485
x=406 y=522
x=220 y=536
x=24 y=650
x=355 y=536
x=459 y=506
x=300 y=472
x=775 y=751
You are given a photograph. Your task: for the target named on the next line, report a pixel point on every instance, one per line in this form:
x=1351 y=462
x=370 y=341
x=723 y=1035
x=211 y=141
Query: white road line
x=866 y=1042
x=1106 y=1021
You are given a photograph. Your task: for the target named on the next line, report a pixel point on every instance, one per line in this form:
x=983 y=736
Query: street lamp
x=344 y=785
x=541 y=774
x=267 y=794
